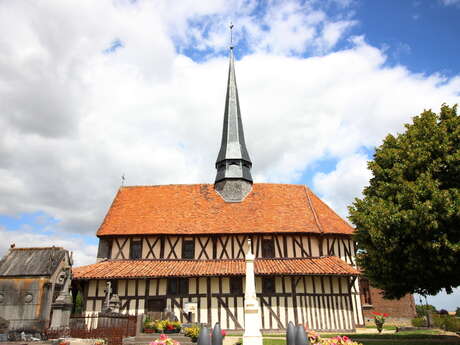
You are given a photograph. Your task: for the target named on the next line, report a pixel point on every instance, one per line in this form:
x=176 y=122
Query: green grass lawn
x=419 y=337
x=387 y=327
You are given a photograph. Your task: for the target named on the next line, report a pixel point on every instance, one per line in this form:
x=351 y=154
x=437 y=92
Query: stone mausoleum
x=31 y=280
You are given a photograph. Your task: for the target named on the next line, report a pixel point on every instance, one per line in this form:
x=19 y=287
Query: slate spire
x=233 y=178
x=233 y=160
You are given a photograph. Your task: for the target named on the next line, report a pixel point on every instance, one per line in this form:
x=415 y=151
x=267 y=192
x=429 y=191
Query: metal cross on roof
x=231 y=35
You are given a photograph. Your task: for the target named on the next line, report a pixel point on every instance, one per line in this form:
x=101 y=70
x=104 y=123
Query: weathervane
x=231 y=35
x=123 y=180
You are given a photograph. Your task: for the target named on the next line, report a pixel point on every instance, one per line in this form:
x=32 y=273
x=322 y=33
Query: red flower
x=224 y=333
x=170 y=327
x=376 y=314
x=385 y=315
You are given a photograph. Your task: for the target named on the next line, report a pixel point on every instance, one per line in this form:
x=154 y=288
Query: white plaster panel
x=162 y=288
x=141 y=287
x=131 y=287
x=92 y=288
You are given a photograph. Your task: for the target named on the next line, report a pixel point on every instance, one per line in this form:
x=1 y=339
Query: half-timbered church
x=181 y=248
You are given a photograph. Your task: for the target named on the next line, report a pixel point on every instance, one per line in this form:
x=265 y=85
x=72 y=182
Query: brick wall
x=401 y=311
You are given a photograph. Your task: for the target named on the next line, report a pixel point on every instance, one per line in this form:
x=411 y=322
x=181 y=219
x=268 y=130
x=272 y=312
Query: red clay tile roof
x=198 y=209
x=113 y=269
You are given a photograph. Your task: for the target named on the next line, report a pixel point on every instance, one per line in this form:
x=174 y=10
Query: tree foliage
x=422 y=309
x=408 y=222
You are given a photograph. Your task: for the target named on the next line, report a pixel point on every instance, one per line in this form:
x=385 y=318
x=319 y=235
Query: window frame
x=268 y=286
x=177 y=286
x=236 y=285
x=184 y=247
x=131 y=250
x=271 y=254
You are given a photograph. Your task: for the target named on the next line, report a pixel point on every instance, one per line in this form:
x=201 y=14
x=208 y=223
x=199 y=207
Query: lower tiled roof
x=117 y=269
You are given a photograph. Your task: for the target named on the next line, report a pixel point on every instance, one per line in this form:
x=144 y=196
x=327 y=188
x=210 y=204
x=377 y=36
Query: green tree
x=423 y=308
x=408 y=222
x=79 y=303
x=457 y=312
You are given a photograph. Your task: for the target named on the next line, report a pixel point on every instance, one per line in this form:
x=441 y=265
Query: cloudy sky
x=92 y=90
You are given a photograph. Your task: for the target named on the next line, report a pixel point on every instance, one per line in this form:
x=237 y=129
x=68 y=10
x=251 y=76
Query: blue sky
x=142 y=95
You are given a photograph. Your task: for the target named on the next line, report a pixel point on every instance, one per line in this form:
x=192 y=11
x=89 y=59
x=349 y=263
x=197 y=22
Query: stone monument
x=252 y=322
x=62 y=307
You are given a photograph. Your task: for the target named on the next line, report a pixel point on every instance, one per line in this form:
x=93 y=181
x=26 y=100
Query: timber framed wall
x=235 y=246
x=321 y=302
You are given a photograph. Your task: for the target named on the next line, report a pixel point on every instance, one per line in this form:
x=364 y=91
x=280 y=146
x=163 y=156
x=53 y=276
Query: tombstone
x=216 y=337
x=300 y=336
x=290 y=334
x=114 y=304
x=203 y=337
x=62 y=307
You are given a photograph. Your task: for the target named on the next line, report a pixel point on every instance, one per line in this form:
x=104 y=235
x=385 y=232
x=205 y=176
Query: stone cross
x=108 y=294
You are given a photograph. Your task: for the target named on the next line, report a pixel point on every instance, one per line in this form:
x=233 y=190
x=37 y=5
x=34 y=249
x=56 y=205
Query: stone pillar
x=252 y=321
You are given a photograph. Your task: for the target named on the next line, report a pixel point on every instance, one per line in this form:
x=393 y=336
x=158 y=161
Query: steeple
x=233 y=163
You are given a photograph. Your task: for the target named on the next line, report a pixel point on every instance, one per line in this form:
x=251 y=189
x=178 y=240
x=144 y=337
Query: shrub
x=457 y=312
x=447 y=322
x=419 y=322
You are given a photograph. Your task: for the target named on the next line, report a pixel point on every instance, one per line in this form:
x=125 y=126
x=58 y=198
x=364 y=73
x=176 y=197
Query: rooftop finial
x=231 y=35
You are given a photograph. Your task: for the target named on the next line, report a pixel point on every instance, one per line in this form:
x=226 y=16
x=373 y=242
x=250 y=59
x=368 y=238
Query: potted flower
x=192 y=332
x=160 y=325
x=379 y=319
x=149 y=325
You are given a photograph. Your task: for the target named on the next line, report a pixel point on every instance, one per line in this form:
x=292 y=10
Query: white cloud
x=83 y=254
x=450 y=2
x=75 y=119
x=342 y=185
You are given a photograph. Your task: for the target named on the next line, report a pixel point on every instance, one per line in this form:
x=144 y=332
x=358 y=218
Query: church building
x=182 y=247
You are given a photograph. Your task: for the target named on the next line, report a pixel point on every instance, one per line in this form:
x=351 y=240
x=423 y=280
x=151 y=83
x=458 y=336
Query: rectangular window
x=268 y=248
x=135 y=250
x=268 y=286
x=188 y=249
x=236 y=285
x=177 y=286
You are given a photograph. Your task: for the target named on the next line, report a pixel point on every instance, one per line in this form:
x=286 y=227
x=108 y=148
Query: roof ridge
x=315 y=216
x=209 y=184
x=38 y=248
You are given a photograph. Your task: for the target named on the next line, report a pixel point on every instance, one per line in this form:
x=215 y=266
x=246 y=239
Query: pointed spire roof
x=233 y=160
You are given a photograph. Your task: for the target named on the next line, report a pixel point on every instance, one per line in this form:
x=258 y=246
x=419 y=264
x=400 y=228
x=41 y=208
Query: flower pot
x=169 y=331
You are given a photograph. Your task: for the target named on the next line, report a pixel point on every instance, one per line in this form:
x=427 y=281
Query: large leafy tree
x=408 y=222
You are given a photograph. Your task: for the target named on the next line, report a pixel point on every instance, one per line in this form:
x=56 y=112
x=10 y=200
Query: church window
x=236 y=286
x=188 y=249
x=135 y=250
x=177 y=286
x=268 y=248
x=268 y=286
